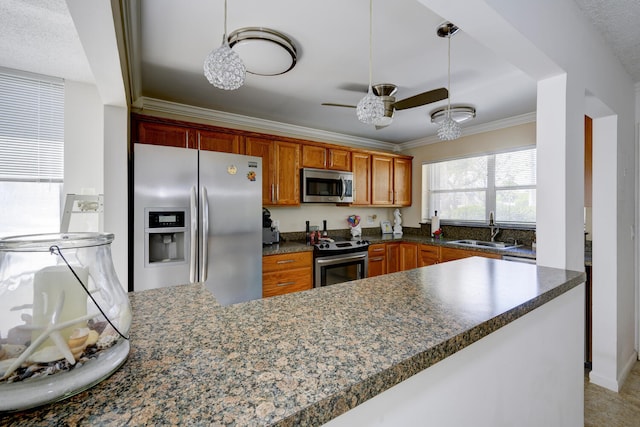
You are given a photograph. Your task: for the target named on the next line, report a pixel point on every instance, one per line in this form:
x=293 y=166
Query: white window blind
x=468 y=189
x=31 y=129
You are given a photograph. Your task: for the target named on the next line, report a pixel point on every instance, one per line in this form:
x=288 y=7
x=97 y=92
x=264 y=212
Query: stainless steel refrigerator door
x=232 y=189
x=165 y=179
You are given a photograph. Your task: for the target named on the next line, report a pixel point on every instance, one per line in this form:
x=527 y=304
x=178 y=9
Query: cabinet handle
x=378 y=250
x=286 y=284
x=286 y=261
x=277 y=193
x=377 y=259
x=272 y=193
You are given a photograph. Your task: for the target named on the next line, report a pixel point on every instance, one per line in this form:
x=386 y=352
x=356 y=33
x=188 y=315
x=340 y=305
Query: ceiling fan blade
x=331 y=104
x=422 y=99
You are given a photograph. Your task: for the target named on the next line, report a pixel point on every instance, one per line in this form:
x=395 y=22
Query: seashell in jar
x=92 y=338
x=78 y=341
x=4 y=365
x=46 y=355
x=11 y=351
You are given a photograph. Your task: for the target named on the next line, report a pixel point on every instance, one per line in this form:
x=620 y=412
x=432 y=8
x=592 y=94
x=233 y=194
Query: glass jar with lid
x=64 y=317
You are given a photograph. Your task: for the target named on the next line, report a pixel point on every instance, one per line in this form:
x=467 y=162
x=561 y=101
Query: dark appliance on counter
x=339 y=261
x=270 y=234
x=326 y=186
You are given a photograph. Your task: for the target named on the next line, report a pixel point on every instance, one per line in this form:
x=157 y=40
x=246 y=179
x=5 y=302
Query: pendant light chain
x=370 y=43
x=225 y=22
x=448 y=77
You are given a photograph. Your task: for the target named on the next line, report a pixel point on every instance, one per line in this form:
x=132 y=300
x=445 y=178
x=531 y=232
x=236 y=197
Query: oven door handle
x=341 y=259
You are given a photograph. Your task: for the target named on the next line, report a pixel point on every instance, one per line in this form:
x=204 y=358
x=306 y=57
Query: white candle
x=48 y=286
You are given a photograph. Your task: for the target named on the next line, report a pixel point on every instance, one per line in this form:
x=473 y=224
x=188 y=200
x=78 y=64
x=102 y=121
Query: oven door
x=333 y=269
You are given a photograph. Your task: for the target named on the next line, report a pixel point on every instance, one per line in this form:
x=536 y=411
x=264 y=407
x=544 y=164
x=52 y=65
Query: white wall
x=527 y=373
x=527 y=37
x=488 y=142
x=83 y=143
x=293 y=218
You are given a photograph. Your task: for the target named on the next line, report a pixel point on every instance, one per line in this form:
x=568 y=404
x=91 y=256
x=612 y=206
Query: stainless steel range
x=340 y=261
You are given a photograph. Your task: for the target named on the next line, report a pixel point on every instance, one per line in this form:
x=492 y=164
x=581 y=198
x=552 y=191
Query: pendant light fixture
x=370 y=109
x=449 y=129
x=223 y=67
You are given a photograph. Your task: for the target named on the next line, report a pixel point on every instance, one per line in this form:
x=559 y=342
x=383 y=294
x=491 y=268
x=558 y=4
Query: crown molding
x=480 y=128
x=259 y=125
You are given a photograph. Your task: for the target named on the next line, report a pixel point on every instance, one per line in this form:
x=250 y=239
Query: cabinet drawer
x=377 y=249
x=286 y=261
x=284 y=282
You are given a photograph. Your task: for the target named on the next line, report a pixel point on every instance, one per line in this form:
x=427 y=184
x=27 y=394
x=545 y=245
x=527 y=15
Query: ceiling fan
x=387 y=92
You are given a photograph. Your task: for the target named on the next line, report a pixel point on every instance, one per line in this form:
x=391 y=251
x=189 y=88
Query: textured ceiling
x=39 y=36
x=619 y=23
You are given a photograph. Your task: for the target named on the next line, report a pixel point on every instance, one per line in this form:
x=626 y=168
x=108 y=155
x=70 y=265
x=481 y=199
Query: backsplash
x=523 y=237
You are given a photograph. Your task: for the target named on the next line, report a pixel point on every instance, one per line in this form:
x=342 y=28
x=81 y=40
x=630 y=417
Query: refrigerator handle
x=193 y=249
x=205 y=235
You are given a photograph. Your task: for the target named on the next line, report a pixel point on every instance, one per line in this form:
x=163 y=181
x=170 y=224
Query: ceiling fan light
x=383 y=121
x=370 y=108
x=224 y=68
x=449 y=129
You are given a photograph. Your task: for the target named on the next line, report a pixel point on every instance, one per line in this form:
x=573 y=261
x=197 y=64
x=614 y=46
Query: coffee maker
x=270 y=234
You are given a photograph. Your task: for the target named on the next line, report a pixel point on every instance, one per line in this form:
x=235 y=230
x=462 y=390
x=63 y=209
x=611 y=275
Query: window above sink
x=465 y=190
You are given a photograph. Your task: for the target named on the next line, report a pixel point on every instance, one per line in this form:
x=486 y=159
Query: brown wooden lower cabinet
x=286 y=273
x=377 y=260
x=450 y=254
x=429 y=255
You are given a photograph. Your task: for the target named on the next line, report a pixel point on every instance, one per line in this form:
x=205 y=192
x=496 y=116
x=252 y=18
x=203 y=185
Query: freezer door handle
x=193 y=246
x=205 y=235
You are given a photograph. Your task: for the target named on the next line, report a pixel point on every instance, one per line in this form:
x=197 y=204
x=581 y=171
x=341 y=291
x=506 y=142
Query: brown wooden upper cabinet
x=361 y=178
x=391 y=181
x=322 y=157
x=280 y=170
x=162 y=134
x=219 y=141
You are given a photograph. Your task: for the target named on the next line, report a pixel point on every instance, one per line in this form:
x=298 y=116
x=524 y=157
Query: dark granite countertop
x=294 y=246
x=301 y=358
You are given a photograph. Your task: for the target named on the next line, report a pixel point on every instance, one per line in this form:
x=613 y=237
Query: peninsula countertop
x=301 y=358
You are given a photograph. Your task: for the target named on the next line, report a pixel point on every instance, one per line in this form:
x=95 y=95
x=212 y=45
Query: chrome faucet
x=493 y=227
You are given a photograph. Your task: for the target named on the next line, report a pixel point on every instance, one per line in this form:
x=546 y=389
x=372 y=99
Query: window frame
x=490 y=191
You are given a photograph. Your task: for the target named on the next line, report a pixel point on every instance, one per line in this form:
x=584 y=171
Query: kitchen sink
x=483 y=244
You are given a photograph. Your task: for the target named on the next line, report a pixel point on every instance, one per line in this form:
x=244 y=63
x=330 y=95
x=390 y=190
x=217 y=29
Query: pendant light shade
x=370 y=109
x=223 y=67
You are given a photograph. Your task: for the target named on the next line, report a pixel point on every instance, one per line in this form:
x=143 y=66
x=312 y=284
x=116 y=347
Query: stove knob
x=325 y=245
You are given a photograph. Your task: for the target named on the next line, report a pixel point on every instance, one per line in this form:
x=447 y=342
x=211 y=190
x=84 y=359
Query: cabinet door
x=219 y=141
x=287 y=173
x=381 y=180
x=377 y=260
x=402 y=182
x=450 y=254
x=408 y=256
x=362 y=178
x=429 y=255
x=161 y=134
x=314 y=156
x=393 y=257
x=339 y=159
x=264 y=148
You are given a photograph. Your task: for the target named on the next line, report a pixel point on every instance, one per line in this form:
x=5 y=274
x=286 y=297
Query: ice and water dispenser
x=166 y=236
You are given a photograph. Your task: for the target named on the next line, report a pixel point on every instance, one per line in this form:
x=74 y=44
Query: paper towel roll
x=435 y=223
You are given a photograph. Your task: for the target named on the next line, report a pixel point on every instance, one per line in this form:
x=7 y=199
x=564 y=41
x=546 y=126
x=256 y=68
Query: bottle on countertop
x=308 y=233
x=324 y=228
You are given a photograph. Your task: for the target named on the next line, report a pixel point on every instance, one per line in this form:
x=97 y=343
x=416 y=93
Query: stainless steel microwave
x=326 y=186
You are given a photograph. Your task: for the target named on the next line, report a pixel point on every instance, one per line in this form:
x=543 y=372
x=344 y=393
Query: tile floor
x=603 y=407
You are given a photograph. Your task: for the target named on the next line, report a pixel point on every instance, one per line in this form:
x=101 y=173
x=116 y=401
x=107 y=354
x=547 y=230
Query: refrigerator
x=197 y=217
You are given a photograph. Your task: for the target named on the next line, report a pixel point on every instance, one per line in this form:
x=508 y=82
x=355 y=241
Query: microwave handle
x=343 y=188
